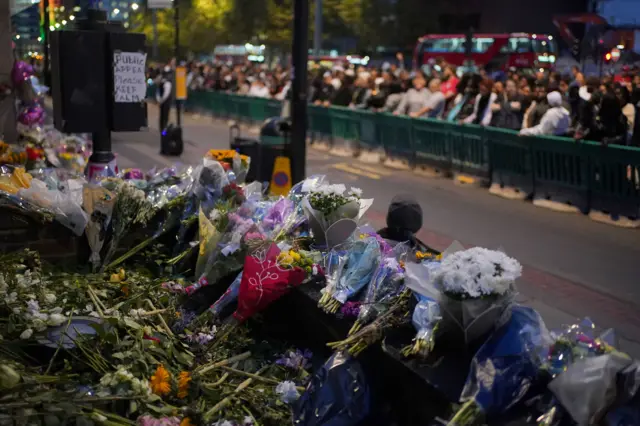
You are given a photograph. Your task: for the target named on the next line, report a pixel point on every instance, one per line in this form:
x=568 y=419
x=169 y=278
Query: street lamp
x=116 y=11
x=134 y=6
x=72 y=17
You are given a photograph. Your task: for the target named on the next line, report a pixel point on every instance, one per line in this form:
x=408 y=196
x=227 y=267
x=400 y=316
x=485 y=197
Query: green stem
x=133 y=251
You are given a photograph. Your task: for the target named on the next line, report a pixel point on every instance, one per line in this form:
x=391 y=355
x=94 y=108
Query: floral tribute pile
x=163 y=321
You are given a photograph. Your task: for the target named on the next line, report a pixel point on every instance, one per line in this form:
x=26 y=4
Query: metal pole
x=300 y=56
x=317 y=32
x=154 y=22
x=45 y=69
x=176 y=54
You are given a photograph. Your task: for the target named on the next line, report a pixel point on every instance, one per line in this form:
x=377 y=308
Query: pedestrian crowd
x=542 y=103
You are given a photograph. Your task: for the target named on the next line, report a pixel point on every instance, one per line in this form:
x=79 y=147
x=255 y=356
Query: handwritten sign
x=129 y=85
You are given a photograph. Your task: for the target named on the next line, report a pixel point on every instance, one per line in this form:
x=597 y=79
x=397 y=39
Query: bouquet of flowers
x=504 y=368
x=385 y=285
x=332 y=207
x=476 y=289
x=98 y=202
x=364 y=257
x=131 y=208
x=231 y=161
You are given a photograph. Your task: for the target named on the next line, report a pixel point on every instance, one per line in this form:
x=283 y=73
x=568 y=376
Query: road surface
x=573 y=267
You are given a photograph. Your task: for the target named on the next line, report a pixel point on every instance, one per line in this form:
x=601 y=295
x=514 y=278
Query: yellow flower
x=121 y=274
x=115 y=278
x=160 y=382
x=183 y=384
x=186 y=422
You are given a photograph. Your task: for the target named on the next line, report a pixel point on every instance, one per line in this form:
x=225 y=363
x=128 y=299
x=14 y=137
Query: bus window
x=543 y=46
x=481 y=45
x=443 y=45
x=517 y=45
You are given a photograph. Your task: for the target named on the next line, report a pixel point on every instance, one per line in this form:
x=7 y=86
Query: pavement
x=573 y=267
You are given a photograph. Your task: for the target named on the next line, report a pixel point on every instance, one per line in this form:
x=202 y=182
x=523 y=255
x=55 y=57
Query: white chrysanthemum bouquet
x=476 y=289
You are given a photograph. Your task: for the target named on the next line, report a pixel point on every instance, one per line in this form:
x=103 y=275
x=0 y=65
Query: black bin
x=273 y=142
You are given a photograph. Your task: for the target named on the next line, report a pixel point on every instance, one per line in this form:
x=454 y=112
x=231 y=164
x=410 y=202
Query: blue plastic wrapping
x=425 y=318
x=362 y=263
x=337 y=395
x=504 y=368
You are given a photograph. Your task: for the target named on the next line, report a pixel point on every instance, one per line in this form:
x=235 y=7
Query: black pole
x=299 y=88
x=176 y=54
x=46 y=75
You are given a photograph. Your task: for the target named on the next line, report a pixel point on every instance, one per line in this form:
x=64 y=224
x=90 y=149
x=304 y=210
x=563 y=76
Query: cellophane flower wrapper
x=209 y=239
x=364 y=258
x=476 y=288
x=505 y=367
x=589 y=388
x=169 y=183
x=275 y=218
x=264 y=281
x=66 y=210
x=627 y=411
x=228 y=297
x=98 y=202
x=337 y=395
x=241 y=168
x=334 y=263
x=386 y=283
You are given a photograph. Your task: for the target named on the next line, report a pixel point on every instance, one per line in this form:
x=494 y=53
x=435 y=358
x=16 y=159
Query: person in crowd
x=242 y=87
x=507 y=110
x=259 y=89
x=324 y=90
x=578 y=77
x=628 y=109
x=344 y=94
x=555 y=121
x=164 y=95
x=435 y=103
x=533 y=115
x=449 y=85
x=482 y=114
x=464 y=101
x=361 y=93
x=415 y=99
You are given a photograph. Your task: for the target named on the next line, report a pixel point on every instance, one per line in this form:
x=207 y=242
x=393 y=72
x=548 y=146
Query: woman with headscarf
x=554 y=122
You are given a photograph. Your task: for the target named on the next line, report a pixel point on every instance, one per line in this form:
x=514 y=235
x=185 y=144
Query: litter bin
x=273 y=142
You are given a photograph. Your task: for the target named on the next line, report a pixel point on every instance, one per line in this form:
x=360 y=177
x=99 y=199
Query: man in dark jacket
x=507 y=109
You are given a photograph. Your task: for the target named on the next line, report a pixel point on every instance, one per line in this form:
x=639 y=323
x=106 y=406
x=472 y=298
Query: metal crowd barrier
x=584 y=175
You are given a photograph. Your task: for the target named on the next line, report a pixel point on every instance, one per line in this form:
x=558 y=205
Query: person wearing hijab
x=404 y=220
x=554 y=122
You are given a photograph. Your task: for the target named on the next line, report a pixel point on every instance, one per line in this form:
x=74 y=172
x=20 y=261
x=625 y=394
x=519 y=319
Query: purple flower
x=351 y=309
x=296 y=360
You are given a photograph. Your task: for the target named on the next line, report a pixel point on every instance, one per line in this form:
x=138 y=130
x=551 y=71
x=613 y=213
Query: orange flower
x=186 y=422
x=183 y=384
x=160 y=382
x=125 y=290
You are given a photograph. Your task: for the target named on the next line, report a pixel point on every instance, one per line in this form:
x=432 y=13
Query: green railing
x=584 y=174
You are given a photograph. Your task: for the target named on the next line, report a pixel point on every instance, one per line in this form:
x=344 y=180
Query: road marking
x=349 y=168
x=316 y=156
x=379 y=171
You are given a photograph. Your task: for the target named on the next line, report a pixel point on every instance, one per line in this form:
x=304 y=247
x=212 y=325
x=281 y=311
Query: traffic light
x=607 y=57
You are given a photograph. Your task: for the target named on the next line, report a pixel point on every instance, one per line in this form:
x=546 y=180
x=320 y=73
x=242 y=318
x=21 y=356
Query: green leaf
x=118 y=355
x=132 y=324
x=133 y=407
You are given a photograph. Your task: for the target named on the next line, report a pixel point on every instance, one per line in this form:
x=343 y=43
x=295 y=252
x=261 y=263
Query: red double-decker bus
x=498 y=51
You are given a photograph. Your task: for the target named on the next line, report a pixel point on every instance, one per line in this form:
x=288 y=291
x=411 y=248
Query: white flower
x=355 y=191
x=33 y=306
x=287 y=391
x=214 y=215
x=137 y=313
x=26 y=334
x=39 y=325
x=247 y=421
x=223 y=423
x=56 y=320
x=11 y=298
x=50 y=298
x=17 y=310
x=477 y=272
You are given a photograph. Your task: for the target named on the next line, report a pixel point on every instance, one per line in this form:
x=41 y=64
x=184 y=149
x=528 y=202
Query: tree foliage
x=206 y=23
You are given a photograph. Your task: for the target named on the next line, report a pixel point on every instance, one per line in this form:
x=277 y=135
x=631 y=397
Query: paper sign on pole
x=129 y=82
x=181 y=83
